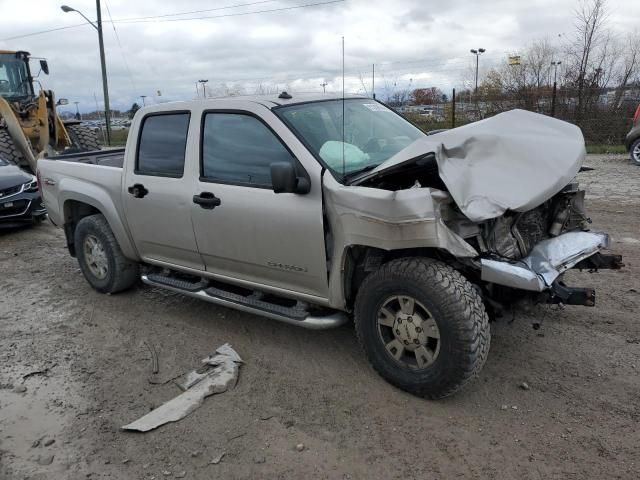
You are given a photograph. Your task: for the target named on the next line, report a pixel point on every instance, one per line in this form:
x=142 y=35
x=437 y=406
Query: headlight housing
x=31 y=187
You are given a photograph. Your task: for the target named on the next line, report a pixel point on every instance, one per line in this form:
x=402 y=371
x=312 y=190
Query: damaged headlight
x=31 y=187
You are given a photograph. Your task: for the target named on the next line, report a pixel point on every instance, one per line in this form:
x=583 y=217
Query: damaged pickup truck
x=312 y=210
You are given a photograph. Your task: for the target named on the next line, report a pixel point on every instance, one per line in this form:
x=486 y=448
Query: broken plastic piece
x=220 y=375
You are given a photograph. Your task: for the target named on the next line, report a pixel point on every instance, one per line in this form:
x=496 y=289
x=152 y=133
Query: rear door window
x=162 y=145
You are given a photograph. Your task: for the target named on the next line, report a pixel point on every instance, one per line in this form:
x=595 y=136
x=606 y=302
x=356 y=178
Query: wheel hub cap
x=408 y=331
x=95 y=257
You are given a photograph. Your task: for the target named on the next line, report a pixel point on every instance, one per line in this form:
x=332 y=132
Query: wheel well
x=361 y=260
x=74 y=211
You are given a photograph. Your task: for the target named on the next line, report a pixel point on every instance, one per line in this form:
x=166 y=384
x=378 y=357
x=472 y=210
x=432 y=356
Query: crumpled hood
x=513 y=161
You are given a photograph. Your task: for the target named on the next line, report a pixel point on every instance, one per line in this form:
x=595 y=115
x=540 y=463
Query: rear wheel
x=423 y=326
x=102 y=262
x=634 y=152
x=8 y=149
x=83 y=138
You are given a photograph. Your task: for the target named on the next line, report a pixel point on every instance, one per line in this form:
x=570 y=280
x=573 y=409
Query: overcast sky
x=419 y=41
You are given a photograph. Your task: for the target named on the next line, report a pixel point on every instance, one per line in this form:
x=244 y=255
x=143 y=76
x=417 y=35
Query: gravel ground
x=74 y=368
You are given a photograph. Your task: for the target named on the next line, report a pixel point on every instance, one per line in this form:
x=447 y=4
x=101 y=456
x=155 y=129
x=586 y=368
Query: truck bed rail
x=112 y=157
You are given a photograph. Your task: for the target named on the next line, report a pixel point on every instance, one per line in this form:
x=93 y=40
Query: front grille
x=8 y=209
x=10 y=191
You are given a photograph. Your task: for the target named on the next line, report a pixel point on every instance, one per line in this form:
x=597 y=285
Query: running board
x=296 y=315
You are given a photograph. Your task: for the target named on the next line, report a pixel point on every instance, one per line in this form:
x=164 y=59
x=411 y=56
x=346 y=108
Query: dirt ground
x=74 y=368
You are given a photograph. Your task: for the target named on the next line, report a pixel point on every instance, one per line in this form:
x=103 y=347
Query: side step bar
x=297 y=315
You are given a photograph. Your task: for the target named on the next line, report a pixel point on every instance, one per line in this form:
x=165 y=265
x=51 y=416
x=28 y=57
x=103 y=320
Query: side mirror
x=44 y=66
x=62 y=101
x=284 y=179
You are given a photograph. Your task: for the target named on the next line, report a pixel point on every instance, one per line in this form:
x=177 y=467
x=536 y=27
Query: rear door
x=158 y=192
x=251 y=233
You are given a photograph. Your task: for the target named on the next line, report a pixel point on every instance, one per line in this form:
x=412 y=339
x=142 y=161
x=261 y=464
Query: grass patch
x=604 y=148
x=118 y=138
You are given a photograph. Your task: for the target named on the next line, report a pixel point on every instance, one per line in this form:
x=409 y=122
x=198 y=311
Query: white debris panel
x=218 y=374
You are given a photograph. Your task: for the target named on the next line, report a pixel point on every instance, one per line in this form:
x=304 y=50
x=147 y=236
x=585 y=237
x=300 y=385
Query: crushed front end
x=524 y=255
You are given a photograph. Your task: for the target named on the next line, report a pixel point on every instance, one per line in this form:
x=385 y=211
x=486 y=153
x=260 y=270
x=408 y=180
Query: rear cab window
x=162 y=144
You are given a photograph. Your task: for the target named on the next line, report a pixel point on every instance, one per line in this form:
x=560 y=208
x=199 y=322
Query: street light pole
x=477 y=53
x=204 y=87
x=144 y=104
x=553 y=94
x=105 y=88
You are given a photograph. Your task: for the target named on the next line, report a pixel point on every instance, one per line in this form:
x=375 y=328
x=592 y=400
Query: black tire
x=452 y=302
x=121 y=273
x=83 y=138
x=634 y=152
x=8 y=150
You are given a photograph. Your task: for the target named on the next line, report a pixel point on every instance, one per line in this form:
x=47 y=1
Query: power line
x=195 y=11
x=124 y=57
x=230 y=14
x=44 y=31
x=160 y=18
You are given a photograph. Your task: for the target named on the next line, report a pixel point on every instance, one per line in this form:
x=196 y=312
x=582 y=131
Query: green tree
x=132 y=111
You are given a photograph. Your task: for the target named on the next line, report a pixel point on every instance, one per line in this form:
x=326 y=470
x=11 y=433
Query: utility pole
x=324 y=86
x=103 y=64
x=105 y=88
x=477 y=53
x=373 y=80
x=553 y=94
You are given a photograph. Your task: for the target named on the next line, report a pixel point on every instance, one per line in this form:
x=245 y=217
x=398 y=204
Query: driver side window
x=237 y=148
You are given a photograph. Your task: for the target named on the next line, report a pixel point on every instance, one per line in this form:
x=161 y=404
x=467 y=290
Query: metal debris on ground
x=220 y=374
x=154 y=357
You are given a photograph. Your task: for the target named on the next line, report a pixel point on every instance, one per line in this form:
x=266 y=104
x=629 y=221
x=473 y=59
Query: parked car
x=632 y=142
x=20 y=200
x=312 y=209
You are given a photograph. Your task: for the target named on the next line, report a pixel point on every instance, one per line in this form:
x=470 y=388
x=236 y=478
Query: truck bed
x=109 y=157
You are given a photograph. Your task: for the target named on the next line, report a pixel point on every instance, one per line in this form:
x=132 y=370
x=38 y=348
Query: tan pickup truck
x=316 y=209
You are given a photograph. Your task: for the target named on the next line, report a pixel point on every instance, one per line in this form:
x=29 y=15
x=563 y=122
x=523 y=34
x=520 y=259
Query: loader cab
x=16 y=81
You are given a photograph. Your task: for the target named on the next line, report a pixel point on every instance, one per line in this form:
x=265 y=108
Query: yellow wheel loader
x=30 y=127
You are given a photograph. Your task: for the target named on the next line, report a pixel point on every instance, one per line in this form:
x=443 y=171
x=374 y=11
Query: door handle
x=137 y=190
x=207 y=200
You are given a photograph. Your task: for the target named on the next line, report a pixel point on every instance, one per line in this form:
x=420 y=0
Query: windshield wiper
x=356 y=173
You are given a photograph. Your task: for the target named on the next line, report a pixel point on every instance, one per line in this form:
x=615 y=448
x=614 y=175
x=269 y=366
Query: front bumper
x=631 y=137
x=550 y=258
x=21 y=208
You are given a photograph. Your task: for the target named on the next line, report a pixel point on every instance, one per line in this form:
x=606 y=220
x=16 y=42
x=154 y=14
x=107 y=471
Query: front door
x=158 y=193
x=248 y=232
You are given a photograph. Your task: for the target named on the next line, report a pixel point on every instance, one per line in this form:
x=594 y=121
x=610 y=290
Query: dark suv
x=20 y=200
x=632 y=142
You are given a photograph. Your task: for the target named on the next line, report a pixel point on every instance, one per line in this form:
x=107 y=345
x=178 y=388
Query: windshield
x=372 y=132
x=14 y=78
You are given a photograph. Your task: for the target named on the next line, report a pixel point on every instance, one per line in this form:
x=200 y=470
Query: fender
x=99 y=198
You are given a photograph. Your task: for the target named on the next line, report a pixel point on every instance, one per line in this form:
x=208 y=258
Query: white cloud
x=425 y=42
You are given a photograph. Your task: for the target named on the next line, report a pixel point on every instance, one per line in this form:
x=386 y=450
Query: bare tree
x=587 y=51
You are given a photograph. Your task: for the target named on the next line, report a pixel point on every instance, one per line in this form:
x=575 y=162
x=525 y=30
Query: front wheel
x=422 y=326
x=102 y=262
x=634 y=152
